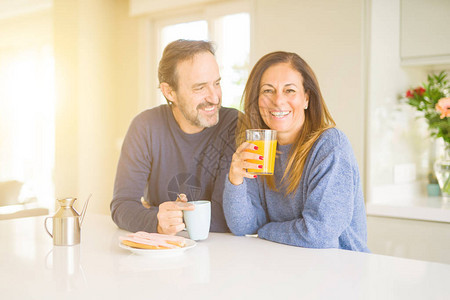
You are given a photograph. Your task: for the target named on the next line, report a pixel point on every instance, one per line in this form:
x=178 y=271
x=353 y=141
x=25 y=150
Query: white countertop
x=422 y=208
x=222 y=267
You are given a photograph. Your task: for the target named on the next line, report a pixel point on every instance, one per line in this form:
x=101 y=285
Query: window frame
x=150 y=40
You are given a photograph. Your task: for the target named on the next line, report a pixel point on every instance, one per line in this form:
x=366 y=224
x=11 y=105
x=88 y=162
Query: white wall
x=85 y=51
x=65 y=19
x=329 y=36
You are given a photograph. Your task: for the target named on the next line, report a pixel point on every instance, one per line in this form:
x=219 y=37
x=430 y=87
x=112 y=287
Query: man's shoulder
x=228 y=112
x=155 y=116
x=227 y=115
x=155 y=113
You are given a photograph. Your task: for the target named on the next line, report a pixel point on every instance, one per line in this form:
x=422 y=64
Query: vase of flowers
x=442 y=172
x=432 y=99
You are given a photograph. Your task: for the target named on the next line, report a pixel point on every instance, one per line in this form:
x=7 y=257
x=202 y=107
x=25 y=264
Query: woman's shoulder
x=332 y=135
x=332 y=146
x=333 y=139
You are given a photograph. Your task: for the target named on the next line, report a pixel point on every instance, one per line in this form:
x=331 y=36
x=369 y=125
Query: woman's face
x=282 y=101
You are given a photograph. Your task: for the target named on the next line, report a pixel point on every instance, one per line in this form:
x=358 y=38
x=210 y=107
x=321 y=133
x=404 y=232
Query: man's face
x=198 y=98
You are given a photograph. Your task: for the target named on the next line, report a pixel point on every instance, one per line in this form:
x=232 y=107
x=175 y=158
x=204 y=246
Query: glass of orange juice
x=266 y=141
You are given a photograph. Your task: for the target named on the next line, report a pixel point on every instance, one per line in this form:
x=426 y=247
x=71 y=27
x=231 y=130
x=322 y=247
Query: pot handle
x=45 y=225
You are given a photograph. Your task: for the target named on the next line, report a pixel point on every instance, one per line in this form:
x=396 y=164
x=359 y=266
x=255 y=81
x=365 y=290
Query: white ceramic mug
x=198 y=220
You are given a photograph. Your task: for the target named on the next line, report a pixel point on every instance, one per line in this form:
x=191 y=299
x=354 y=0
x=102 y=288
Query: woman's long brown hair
x=317 y=117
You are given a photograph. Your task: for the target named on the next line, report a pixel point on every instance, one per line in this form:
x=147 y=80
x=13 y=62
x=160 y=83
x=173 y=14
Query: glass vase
x=442 y=171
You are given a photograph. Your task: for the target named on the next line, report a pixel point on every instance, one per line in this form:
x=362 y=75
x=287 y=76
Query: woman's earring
x=306 y=106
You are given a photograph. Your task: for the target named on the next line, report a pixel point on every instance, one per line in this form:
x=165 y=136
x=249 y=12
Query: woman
x=314 y=199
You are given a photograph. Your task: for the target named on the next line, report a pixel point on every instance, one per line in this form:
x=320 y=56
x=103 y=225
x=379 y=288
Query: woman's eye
x=290 y=91
x=267 y=91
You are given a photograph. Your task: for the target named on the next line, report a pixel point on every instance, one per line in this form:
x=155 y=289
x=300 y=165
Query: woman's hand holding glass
x=240 y=164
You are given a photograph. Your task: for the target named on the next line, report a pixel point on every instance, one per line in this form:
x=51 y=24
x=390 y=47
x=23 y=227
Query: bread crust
x=141 y=246
x=144 y=246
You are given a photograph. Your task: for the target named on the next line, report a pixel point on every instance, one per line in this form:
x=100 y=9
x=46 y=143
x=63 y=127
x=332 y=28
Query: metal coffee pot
x=66 y=223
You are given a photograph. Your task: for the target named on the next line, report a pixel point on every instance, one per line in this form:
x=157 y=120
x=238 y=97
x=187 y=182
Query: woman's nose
x=278 y=98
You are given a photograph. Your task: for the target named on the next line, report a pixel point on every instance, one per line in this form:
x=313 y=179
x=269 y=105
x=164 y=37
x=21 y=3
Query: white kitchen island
x=222 y=267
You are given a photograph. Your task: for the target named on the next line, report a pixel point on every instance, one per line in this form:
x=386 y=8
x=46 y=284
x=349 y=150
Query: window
x=197 y=30
x=27 y=108
x=233 y=56
x=27 y=121
x=231 y=36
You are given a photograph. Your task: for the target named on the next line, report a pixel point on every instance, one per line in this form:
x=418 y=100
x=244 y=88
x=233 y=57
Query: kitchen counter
x=222 y=267
x=423 y=208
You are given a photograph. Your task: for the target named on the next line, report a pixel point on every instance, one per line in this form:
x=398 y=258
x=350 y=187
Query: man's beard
x=197 y=119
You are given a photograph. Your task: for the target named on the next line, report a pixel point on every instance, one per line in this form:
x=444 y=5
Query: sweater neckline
x=284 y=148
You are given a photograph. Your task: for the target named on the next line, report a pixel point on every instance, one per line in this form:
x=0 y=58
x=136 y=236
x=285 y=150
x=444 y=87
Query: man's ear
x=168 y=92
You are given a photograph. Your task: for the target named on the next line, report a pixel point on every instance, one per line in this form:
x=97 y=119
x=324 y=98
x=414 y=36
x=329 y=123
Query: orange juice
x=267 y=149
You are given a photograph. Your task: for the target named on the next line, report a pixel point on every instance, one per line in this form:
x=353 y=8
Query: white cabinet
x=422 y=240
x=425 y=32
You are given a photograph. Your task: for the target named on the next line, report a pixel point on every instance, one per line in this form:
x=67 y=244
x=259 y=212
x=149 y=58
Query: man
x=183 y=147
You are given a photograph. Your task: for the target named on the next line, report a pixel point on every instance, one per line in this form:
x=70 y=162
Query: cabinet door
x=413 y=239
x=425 y=31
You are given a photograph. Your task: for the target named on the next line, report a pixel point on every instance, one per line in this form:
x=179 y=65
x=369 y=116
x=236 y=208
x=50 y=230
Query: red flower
x=409 y=94
x=415 y=92
x=419 y=91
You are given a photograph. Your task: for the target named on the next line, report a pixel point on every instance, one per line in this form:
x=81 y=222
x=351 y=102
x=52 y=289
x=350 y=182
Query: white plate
x=160 y=252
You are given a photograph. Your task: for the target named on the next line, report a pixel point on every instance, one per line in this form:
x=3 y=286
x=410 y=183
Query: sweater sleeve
x=242 y=206
x=133 y=170
x=328 y=207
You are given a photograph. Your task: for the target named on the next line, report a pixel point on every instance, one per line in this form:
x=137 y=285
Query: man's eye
x=199 y=88
x=218 y=83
